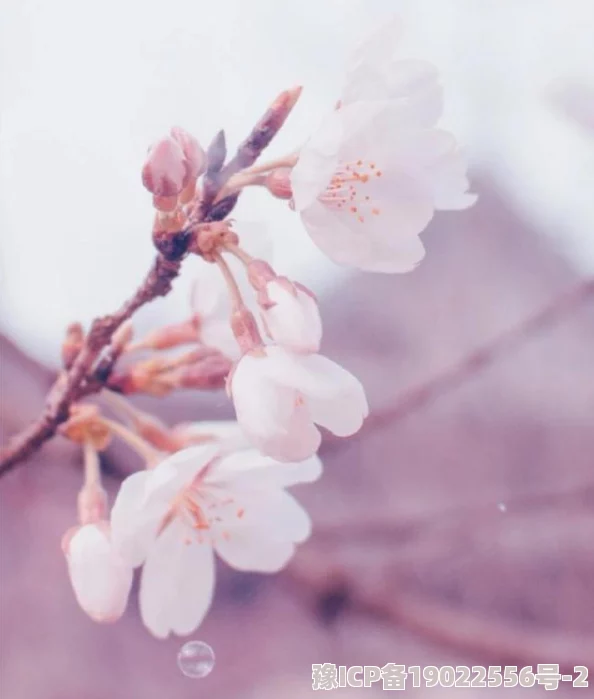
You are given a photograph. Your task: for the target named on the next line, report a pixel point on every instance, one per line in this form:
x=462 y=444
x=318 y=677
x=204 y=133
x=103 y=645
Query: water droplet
x=502 y=507
x=196 y=659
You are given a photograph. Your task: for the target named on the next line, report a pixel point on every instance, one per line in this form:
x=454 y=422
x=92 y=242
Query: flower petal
x=271 y=415
x=294 y=318
x=178 y=470
x=267 y=512
x=133 y=524
x=227 y=434
x=177 y=582
x=335 y=397
x=245 y=551
x=144 y=500
x=347 y=247
x=252 y=469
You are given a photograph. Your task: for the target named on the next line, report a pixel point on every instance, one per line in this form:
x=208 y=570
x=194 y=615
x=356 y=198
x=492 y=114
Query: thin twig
x=84 y=377
x=230 y=282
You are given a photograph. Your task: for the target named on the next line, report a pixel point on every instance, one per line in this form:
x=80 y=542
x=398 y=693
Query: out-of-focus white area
x=87 y=86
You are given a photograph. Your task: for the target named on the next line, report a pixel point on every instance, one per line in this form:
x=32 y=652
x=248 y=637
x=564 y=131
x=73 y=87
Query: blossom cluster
x=365 y=185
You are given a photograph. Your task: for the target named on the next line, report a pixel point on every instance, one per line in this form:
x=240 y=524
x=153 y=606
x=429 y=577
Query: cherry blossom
x=369 y=180
x=100 y=577
x=289 y=310
x=173 y=165
x=280 y=397
x=198 y=502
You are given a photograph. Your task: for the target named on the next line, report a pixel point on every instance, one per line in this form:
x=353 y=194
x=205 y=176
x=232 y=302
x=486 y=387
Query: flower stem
x=239 y=253
x=91 y=463
x=138 y=444
x=231 y=282
x=289 y=160
x=121 y=406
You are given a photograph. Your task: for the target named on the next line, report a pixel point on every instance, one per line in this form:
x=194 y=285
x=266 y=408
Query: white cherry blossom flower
x=195 y=503
x=369 y=180
x=100 y=577
x=280 y=397
x=291 y=316
x=366 y=188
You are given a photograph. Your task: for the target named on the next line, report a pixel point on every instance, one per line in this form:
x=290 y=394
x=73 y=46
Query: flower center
x=350 y=191
x=202 y=510
x=193 y=512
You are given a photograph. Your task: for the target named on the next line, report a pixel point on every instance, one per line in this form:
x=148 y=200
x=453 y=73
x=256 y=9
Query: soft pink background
x=412 y=561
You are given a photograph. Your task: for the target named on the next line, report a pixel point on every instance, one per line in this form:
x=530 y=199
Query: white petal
x=145 y=498
x=294 y=320
x=245 y=551
x=179 y=470
x=317 y=161
x=277 y=514
x=261 y=407
x=335 y=397
x=272 y=415
x=352 y=249
x=253 y=469
x=227 y=433
x=101 y=579
x=177 y=582
x=133 y=524
x=267 y=512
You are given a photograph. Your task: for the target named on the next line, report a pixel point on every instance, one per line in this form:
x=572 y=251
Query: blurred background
x=458 y=527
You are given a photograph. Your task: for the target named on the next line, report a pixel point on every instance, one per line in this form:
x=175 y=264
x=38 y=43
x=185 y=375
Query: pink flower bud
x=157 y=433
x=173 y=335
x=278 y=183
x=193 y=153
x=259 y=274
x=245 y=329
x=208 y=374
x=165 y=172
x=100 y=578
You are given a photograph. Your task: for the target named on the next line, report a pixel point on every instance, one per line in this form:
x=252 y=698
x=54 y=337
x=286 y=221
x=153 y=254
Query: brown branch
x=426 y=392
x=83 y=377
x=249 y=151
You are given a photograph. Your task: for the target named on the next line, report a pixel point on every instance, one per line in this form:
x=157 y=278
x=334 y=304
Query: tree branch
x=83 y=377
x=426 y=392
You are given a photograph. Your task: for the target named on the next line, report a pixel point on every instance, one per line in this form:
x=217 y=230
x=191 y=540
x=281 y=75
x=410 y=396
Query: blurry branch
x=388 y=592
x=491 y=352
x=482 y=635
x=389 y=531
x=88 y=373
